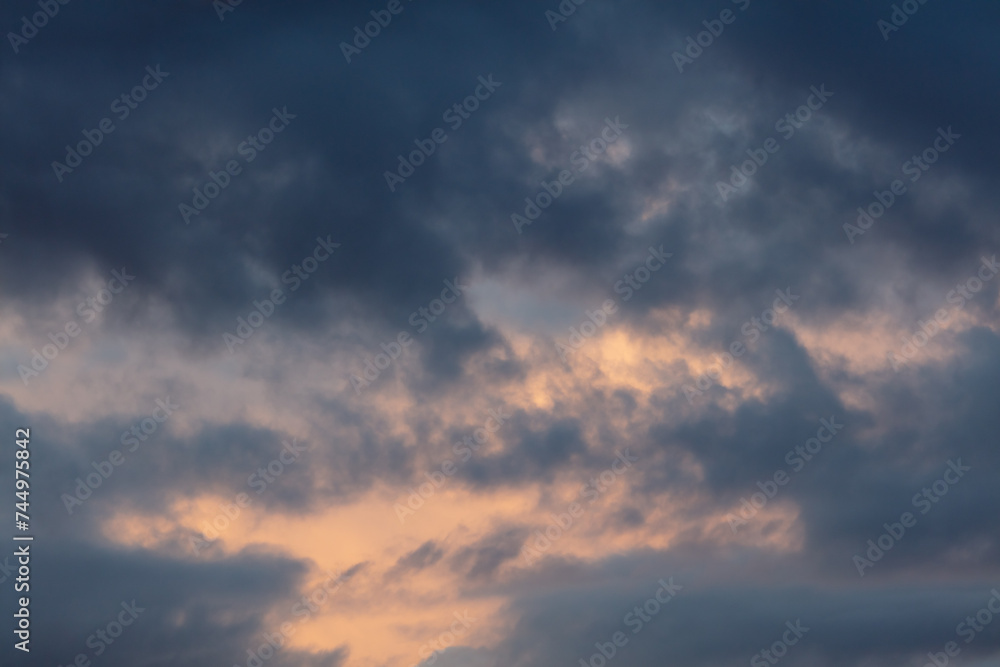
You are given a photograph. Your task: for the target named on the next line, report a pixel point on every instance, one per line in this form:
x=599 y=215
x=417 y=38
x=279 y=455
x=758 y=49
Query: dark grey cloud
x=323 y=176
x=706 y=626
x=482 y=559
x=424 y=556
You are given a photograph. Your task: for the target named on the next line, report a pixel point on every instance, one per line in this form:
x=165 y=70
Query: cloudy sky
x=508 y=335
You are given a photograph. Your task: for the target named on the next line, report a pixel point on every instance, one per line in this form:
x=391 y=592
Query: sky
x=519 y=334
